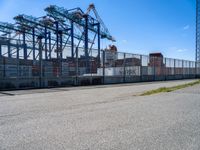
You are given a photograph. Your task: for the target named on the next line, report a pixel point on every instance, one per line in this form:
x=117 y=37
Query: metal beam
x=86 y=45
x=40 y=59
x=24 y=45
x=61 y=45
x=33 y=36
x=0 y=51
x=99 y=44
x=45 y=42
x=72 y=39
x=9 y=50
x=197 y=31
x=57 y=40
x=86 y=36
x=50 y=49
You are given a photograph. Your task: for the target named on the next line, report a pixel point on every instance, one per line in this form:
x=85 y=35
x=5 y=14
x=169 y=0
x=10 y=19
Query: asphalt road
x=101 y=118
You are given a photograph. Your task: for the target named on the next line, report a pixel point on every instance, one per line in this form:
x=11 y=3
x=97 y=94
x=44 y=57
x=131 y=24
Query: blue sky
x=140 y=26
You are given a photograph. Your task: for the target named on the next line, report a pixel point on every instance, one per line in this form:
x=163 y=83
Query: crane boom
x=36 y=23
x=76 y=15
x=104 y=29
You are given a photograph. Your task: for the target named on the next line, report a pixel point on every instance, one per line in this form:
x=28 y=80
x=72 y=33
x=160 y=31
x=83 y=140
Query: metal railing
x=113 y=67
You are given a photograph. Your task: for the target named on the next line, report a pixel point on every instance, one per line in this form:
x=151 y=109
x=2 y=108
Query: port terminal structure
x=63 y=48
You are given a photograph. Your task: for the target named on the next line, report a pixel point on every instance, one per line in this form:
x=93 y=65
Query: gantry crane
x=58 y=30
x=104 y=30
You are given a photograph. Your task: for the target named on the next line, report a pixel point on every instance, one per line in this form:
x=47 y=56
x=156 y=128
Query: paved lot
x=101 y=117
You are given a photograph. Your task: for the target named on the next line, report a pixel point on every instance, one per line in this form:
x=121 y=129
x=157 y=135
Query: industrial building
x=63 y=48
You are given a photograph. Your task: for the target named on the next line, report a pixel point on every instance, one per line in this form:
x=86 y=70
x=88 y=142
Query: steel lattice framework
x=58 y=35
x=49 y=36
x=197 y=30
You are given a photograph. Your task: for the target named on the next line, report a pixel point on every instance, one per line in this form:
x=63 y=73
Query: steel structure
x=197 y=30
x=51 y=36
x=63 y=48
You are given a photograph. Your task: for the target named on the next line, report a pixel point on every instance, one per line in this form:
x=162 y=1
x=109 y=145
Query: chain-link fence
x=108 y=68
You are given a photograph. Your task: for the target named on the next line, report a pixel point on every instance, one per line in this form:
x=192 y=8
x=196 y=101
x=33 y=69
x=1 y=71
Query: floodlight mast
x=198 y=31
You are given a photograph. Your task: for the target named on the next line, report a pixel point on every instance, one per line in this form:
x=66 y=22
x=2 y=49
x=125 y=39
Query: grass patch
x=169 y=89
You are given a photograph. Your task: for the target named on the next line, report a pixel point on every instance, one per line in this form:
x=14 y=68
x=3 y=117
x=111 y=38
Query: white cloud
x=124 y=41
x=181 y=50
x=186 y=27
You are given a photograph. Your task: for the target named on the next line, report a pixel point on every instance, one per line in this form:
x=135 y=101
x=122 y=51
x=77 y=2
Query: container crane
x=84 y=20
x=77 y=15
x=44 y=24
x=65 y=16
x=104 y=30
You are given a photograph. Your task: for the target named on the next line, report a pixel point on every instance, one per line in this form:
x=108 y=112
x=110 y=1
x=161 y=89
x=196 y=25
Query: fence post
x=124 y=75
x=0 y=52
x=174 y=68
x=0 y=61
x=4 y=67
x=141 y=68
x=18 y=64
x=189 y=69
x=165 y=68
x=40 y=60
x=197 y=69
x=90 y=66
x=154 y=67
x=182 y=69
x=76 y=66
x=103 y=67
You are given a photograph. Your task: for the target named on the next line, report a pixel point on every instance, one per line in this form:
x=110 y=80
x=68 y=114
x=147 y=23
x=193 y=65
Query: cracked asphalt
x=101 y=118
